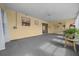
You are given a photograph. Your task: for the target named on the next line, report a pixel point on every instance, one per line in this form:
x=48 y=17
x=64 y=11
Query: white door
x=4 y=33
x=2 y=40
x=77 y=26
x=5 y=26
x=77 y=22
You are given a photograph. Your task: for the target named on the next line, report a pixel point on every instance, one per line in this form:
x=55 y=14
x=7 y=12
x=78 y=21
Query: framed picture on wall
x=25 y=21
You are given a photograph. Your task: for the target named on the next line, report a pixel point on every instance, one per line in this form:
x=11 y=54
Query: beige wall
x=22 y=31
x=55 y=27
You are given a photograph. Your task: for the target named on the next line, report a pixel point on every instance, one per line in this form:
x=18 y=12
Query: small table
x=72 y=41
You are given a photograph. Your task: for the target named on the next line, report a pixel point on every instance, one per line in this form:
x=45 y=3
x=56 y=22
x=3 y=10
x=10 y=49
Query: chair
x=72 y=42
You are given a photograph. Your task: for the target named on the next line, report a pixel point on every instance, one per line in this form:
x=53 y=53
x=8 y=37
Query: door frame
x=46 y=28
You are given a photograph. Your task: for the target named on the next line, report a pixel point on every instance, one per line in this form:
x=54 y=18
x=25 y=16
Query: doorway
x=44 y=28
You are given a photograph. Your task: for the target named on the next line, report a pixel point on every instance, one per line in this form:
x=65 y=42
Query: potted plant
x=70 y=33
x=77 y=33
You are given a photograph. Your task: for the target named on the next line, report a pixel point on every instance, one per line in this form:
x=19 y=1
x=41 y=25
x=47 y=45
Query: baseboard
x=56 y=34
x=26 y=37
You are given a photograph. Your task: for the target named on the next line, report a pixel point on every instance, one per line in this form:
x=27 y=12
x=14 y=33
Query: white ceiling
x=46 y=11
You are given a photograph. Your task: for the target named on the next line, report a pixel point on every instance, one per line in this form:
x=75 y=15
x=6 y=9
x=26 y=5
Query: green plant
x=70 y=33
x=77 y=31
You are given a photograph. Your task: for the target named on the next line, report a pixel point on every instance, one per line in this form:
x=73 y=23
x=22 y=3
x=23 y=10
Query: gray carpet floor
x=43 y=45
